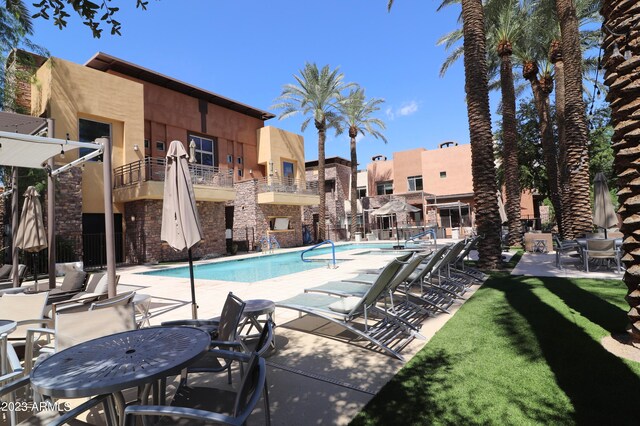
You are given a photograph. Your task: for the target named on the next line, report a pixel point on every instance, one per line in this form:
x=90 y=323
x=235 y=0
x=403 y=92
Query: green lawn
x=520 y=351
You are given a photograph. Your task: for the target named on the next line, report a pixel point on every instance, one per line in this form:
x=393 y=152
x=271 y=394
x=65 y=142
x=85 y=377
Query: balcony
x=144 y=180
x=288 y=191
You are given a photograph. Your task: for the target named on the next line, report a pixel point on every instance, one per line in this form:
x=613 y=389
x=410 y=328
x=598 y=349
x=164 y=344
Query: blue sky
x=247 y=50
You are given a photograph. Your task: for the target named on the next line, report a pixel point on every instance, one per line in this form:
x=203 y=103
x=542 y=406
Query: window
x=89 y=131
x=229 y=158
x=443 y=175
x=239 y=160
x=279 y=223
x=414 y=183
x=287 y=169
x=146 y=144
x=240 y=173
x=384 y=188
x=361 y=191
x=204 y=150
x=160 y=145
x=329 y=185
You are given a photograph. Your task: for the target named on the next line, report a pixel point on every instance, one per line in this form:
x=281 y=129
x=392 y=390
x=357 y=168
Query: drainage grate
x=319 y=377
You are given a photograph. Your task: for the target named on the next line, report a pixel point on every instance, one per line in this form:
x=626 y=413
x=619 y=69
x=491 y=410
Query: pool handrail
x=333 y=250
x=430 y=231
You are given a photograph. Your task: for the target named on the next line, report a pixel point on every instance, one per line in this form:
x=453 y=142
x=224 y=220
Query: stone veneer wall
x=335 y=212
x=68 y=209
x=254 y=217
x=290 y=238
x=143 y=244
x=244 y=212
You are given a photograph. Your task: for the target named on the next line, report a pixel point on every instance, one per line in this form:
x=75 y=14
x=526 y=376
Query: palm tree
x=505 y=20
x=315 y=96
x=621 y=75
x=357 y=114
x=479 y=116
x=575 y=170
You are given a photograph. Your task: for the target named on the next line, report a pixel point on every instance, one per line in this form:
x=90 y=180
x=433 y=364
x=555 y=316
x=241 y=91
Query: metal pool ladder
x=331 y=264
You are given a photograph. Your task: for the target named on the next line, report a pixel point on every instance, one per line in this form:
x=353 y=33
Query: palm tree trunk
x=510 y=135
x=577 y=159
x=549 y=151
x=622 y=76
x=479 y=115
x=354 y=185
x=322 y=222
x=562 y=219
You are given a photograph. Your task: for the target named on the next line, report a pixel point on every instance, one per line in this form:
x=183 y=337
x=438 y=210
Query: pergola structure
x=26 y=148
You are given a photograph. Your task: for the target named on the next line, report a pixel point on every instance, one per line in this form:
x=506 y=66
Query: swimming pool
x=259 y=268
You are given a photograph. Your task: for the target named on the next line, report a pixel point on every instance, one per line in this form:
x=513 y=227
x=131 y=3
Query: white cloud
x=406 y=109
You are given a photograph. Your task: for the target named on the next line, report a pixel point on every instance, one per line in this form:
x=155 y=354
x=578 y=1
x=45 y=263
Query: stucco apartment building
x=249 y=178
x=438 y=182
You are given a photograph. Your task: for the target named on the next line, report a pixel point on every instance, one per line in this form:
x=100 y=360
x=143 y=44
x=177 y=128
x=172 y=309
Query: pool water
x=260 y=268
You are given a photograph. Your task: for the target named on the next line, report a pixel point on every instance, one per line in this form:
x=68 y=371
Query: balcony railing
x=287 y=185
x=152 y=169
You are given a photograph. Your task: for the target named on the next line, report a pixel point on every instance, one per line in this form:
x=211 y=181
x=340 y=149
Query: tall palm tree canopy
x=315 y=96
x=357 y=113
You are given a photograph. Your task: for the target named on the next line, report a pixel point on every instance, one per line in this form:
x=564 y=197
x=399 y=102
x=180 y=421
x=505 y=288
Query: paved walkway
x=544 y=265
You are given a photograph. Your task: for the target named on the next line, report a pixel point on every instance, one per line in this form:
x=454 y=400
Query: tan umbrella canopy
x=32 y=237
x=604 y=215
x=180 y=221
x=394 y=207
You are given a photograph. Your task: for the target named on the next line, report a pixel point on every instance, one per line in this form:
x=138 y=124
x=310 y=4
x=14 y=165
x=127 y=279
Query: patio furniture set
x=594 y=251
x=98 y=351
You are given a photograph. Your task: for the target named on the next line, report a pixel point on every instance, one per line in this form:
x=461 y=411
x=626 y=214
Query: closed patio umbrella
x=394 y=207
x=501 y=208
x=180 y=221
x=32 y=237
x=604 y=215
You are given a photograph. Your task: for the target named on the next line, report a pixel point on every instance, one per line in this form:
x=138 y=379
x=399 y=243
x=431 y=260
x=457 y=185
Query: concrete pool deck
x=312 y=379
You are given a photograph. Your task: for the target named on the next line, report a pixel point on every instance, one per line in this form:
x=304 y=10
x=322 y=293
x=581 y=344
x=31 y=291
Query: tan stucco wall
x=67 y=92
x=405 y=164
x=278 y=145
x=456 y=162
x=379 y=171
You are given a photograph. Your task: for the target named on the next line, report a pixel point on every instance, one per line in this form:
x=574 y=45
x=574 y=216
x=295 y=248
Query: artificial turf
x=520 y=351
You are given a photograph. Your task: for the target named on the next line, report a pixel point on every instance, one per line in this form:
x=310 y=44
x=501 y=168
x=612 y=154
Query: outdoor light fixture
x=270 y=168
x=192 y=151
x=136 y=147
x=62 y=151
x=616 y=51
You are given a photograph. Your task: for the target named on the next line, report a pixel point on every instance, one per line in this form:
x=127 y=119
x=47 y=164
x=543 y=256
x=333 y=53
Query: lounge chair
x=358 y=289
x=5 y=270
x=206 y=405
x=388 y=333
x=459 y=262
x=8 y=283
x=72 y=283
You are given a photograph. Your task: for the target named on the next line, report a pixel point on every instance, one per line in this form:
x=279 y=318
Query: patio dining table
x=111 y=364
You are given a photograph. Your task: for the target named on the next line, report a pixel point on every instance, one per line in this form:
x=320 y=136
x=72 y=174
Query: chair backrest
x=93 y=279
x=77 y=327
x=601 y=248
x=432 y=261
x=22 y=270
x=406 y=270
x=251 y=388
x=230 y=318
x=379 y=286
x=121 y=299
x=9 y=361
x=615 y=234
x=73 y=281
x=5 y=270
x=20 y=307
x=451 y=255
x=266 y=338
x=469 y=245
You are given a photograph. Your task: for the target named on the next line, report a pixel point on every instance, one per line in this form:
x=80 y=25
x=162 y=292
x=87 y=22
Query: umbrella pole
x=194 y=306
